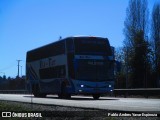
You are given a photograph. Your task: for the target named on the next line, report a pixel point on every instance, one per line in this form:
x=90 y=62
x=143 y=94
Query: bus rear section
x=46 y=69
x=79 y=65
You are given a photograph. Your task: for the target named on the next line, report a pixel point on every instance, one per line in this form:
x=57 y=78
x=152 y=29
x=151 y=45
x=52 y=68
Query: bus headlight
x=82 y=85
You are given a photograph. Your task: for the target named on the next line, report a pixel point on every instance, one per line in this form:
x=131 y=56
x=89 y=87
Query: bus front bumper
x=93 y=90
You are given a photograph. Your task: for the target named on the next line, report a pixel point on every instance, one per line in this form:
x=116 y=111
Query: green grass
x=4 y=106
x=9 y=107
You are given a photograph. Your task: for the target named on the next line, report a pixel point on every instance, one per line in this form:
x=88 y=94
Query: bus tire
x=42 y=95
x=36 y=91
x=64 y=94
x=96 y=96
x=60 y=95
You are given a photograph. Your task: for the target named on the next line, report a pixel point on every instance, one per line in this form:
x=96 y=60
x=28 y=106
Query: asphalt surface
x=106 y=103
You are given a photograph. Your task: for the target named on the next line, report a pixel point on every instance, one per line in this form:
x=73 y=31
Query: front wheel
x=96 y=96
x=64 y=94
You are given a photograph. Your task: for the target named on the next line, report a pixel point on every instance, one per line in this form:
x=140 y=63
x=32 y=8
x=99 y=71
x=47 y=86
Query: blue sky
x=28 y=24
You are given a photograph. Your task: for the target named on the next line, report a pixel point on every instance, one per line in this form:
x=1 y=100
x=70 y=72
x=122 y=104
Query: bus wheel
x=63 y=94
x=42 y=95
x=36 y=91
x=60 y=96
x=96 y=96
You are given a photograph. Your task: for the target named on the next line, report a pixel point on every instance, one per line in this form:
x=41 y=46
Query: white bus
x=73 y=65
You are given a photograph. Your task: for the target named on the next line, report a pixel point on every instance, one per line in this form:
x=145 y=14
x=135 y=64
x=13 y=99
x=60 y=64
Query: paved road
x=107 y=103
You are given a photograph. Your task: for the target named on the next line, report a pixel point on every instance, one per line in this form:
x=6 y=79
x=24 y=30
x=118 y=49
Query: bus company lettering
x=47 y=63
x=84 y=57
x=95 y=63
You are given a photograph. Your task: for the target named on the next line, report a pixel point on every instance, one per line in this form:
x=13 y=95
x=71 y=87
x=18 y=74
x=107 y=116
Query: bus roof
x=78 y=36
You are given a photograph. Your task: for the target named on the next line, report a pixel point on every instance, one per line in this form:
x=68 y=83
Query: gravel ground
x=70 y=113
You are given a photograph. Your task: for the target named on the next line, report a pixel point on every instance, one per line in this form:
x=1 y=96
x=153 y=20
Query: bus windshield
x=93 y=70
x=92 y=45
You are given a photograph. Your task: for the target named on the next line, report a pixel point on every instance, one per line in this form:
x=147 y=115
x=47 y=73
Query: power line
x=8 y=67
x=3 y=73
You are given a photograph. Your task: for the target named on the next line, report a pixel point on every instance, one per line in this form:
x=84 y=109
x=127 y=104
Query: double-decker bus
x=71 y=66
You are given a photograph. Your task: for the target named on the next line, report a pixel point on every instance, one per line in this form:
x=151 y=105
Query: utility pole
x=21 y=71
x=18 y=66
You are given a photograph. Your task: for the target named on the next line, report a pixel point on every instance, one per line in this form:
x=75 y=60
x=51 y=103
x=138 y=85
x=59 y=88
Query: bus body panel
x=40 y=72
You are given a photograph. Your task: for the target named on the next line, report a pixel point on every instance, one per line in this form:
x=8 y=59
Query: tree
x=136 y=19
x=119 y=54
x=119 y=72
x=140 y=61
x=156 y=40
x=135 y=43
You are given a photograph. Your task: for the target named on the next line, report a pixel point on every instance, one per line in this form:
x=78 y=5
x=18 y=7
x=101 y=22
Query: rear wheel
x=42 y=95
x=96 y=96
x=36 y=91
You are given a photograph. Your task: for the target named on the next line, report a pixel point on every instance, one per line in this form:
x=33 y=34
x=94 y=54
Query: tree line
x=9 y=83
x=140 y=53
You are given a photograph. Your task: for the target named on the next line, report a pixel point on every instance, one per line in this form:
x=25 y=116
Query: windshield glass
x=91 y=45
x=93 y=70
